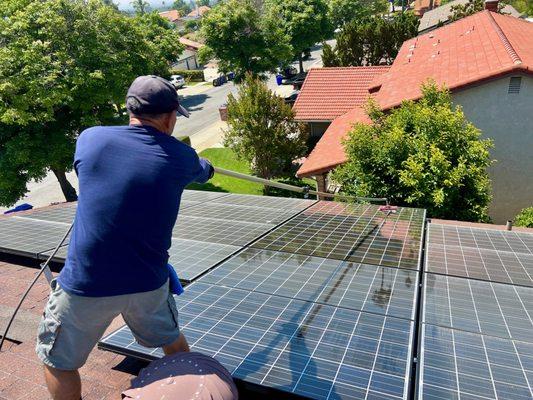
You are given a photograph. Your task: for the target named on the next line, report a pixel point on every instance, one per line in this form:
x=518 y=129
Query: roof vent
x=514 y=84
x=491 y=5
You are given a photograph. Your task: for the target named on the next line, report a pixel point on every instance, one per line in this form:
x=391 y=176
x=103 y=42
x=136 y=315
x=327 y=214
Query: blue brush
x=174 y=281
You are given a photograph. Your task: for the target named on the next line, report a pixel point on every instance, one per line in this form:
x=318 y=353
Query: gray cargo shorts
x=72 y=325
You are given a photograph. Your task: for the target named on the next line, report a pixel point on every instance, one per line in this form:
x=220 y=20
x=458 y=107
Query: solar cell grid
x=457 y=364
x=296 y=346
x=62 y=213
x=381 y=290
x=490 y=265
x=488 y=308
x=240 y=213
x=201 y=195
x=191 y=258
x=264 y=201
x=29 y=237
x=212 y=230
x=352 y=232
x=60 y=256
x=450 y=235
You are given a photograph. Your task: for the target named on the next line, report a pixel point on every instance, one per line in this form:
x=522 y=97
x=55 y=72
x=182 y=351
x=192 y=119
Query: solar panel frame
x=262 y=338
x=369 y=288
x=29 y=237
x=212 y=230
x=482 y=264
x=456 y=364
x=347 y=231
x=487 y=308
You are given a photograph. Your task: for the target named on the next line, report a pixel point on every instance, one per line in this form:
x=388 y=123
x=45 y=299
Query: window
x=514 y=84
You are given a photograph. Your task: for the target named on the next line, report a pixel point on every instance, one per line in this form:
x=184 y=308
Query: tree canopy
x=141 y=7
x=64 y=66
x=344 y=11
x=305 y=22
x=182 y=7
x=423 y=154
x=370 y=41
x=243 y=40
x=262 y=130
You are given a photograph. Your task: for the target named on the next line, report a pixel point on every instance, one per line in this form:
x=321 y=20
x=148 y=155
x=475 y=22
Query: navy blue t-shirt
x=130 y=183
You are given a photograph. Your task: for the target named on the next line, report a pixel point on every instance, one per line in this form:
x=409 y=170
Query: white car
x=177 y=80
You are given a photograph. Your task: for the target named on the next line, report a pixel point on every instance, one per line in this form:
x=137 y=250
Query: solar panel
x=481 y=307
x=456 y=364
x=60 y=256
x=451 y=235
x=28 y=237
x=296 y=346
x=240 y=213
x=489 y=265
x=381 y=290
x=358 y=233
x=212 y=230
x=277 y=203
x=62 y=213
x=201 y=195
x=191 y=258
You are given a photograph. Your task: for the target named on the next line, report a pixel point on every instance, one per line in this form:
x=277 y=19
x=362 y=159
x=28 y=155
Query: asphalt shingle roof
x=330 y=92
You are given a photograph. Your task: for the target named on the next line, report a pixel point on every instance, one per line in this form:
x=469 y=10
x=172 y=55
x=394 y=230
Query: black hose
x=43 y=268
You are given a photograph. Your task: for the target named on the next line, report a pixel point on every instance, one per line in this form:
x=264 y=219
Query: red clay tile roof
x=201 y=11
x=476 y=48
x=330 y=92
x=171 y=15
x=329 y=152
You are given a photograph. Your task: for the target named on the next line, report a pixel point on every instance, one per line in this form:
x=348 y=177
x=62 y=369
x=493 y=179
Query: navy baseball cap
x=155 y=95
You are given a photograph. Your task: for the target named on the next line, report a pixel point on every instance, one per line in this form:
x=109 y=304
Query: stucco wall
x=508 y=120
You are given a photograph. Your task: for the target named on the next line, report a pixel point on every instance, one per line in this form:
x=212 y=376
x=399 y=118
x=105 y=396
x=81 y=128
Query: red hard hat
x=183 y=376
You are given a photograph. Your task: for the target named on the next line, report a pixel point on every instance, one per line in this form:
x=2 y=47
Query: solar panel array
x=477 y=341
x=319 y=327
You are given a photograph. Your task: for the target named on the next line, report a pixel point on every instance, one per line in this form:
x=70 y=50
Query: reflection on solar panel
x=381 y=290
x=201 y=195
x=277 y=203
x=28 y=237
x=191 y=258
x=212 y=230
x=312 y=350
x=63 y=213
x=489 y=265
x=352 y=232
x=482 y=307
x=449 y=235
x=457 y=364
x=240 y=213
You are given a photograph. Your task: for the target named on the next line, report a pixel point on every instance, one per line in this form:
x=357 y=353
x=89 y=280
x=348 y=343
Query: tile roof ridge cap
x=506 y=43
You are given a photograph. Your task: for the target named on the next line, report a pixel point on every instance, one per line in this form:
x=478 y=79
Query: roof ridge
x=506 y=43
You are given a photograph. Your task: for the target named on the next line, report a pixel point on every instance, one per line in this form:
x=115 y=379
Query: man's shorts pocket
x=173 y=310
x=47 y=333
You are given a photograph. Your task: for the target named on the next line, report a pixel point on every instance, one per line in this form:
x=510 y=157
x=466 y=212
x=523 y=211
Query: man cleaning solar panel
x=130 y=183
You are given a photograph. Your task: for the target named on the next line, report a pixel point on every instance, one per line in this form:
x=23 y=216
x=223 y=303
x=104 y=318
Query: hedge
x=193 y=75
x=525 y=218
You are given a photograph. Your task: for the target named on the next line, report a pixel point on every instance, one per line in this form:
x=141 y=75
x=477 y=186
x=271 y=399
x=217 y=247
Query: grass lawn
x=225 y=158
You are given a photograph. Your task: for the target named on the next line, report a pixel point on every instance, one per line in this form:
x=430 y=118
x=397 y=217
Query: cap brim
x=181 y=110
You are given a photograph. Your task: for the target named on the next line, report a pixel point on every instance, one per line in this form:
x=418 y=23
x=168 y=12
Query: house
x=486 y=61
x=439 y=16
x=189 y=57
x=327 y=93
x=171 y=15
x=199 y=12
x=422 y=6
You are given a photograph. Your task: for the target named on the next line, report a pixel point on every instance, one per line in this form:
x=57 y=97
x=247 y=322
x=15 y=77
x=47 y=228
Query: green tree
x=242 y=40
x=305 y=22
x=65 y=66
x=201 y=3
x=525 y=218
x=141 y=7
x=182 y=7
x=370 y=41
x=471 y=7
x=262 y=130
x=343 y=11
x=423 y=154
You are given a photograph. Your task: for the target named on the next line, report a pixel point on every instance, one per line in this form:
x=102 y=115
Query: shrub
x=525 y=218
x=190 y=75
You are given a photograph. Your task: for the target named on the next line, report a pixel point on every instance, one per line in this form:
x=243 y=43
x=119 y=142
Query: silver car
x=177 y=80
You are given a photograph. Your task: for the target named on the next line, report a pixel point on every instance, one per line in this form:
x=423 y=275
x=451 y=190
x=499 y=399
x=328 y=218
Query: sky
x=125 y=4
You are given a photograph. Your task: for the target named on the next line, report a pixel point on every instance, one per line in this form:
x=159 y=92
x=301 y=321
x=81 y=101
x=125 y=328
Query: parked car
x=291 y=99
x=177 y=80
x=220 y=80
x=296 y=81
